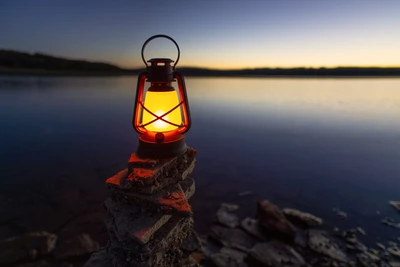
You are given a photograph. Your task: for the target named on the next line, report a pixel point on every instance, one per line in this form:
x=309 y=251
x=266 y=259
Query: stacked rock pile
x=149 y=219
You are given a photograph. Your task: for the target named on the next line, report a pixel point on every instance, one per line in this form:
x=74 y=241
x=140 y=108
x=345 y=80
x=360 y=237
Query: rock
x=148 y=175
x=395 y=251
x=100 y=258
x=342 y=214
x=361 y=247
x=245 y=193
x=320 y=242
x=188 y=262
x=232 y=238
x=301 y=239
x=226 y=218
x=391 y=222
x=188 y=186
x=303 y=218
x=229 y=207
x=350 y=237
x=161 y=250
x=272 y=219
x=361 y=231
x=170 y=199
x=209 y=248
x=191 y=243
x=394 y=264
x=76 y=246
x=275 y=254
x=366 y=261
x=131 y=222
x=381 y=246
x=28 y=246
x=252 y=227
x=395 y=204
x=234 y=253
x=223 y=260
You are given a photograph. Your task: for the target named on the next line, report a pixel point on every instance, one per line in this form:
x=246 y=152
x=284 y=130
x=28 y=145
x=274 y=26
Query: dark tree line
x=12 y=60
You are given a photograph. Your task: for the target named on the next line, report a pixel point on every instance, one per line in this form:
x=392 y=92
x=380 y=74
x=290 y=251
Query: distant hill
x=276 y=72
x=12 y=62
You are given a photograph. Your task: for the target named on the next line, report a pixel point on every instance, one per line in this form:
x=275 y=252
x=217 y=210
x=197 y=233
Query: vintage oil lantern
x=161 y=114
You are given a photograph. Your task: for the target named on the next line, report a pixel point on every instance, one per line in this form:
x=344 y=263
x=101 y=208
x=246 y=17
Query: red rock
x=272 y=219
x=148 y=176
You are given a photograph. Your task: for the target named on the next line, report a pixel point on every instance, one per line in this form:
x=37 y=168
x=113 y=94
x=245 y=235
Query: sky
x=224 y=34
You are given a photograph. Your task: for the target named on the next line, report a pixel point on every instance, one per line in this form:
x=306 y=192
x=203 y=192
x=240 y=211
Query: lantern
x=161 y=115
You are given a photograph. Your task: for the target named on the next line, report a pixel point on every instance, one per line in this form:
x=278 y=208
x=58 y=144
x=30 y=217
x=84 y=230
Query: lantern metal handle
x=160 y=36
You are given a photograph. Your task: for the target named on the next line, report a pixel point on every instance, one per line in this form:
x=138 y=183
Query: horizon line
x=210 y=68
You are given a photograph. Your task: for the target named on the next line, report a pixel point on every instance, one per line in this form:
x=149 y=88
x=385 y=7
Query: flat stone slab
x=321 y=242
x=275 y=254
x=28 y=246
x=171 y=199
x=169 y=237
x=232 y=238
x=130 y=222
x=149 y=176
x=188 y=186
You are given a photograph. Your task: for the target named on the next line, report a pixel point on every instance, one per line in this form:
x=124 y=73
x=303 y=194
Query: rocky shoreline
x=274 y=237
x=289 y=237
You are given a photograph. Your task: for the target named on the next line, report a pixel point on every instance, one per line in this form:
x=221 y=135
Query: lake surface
x=308 y=143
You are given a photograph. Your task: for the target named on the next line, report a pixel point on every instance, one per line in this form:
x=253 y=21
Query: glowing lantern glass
x=161 y=115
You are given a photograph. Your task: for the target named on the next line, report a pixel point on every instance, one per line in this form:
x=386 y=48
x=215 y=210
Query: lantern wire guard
x=155 y=143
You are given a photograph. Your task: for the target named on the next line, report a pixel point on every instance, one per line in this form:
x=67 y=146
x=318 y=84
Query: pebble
x=229 y=207
x=245 y=193
x=350 y=236
x=395 y=204
x=395 y=251
x=342 y=214
x=381 y=246
x=361 y=231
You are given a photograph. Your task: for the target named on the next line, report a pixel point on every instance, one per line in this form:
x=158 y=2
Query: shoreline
x=47 y=73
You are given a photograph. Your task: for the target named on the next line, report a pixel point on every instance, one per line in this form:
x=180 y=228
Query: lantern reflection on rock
x=161 y=114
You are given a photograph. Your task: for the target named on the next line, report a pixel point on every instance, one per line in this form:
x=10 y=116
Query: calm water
x=313 y=144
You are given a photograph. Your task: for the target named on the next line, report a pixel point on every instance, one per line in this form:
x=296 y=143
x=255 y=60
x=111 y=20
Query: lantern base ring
x=161 y=150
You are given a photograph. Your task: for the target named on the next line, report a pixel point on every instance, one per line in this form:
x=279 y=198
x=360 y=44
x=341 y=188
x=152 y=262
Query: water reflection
x=306 y=143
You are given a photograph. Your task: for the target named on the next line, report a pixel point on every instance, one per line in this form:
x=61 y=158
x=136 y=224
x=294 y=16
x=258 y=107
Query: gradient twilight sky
x=214 y=34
